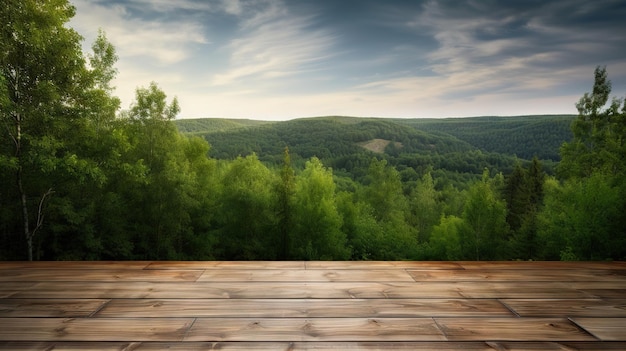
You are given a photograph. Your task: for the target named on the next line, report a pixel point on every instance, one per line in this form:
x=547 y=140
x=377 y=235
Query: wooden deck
x=313 y=306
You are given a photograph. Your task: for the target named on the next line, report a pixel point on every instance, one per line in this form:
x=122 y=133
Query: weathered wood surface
x=313 y=305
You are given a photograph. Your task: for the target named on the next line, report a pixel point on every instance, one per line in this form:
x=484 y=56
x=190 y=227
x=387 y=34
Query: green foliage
x=383 y=194
x=523 y=136
x=46 y=88
x=317 y=222
x=583 y=219
x=425 y=207
x=246 y=217
x=201 y=126
x=445 y=242
x=485 y=230
x=523 y=193
x=336 y=142
x=599 y=143
x=82 y=180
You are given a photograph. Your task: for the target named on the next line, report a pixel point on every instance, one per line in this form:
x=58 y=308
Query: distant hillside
x=523 y=136
x=456 y=148
x=323 y=137
x=211 y=125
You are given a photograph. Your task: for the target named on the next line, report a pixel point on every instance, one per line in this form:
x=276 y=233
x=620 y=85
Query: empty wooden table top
x=312 y=305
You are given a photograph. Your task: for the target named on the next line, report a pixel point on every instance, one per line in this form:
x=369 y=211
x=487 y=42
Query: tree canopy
x=84 y=179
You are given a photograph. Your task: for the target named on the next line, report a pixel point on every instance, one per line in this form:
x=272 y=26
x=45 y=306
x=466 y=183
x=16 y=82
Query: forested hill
x=524 y=136
x=454 y=145
x=211 y=125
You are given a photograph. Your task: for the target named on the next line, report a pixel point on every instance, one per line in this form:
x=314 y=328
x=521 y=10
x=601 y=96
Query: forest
x=85 y=179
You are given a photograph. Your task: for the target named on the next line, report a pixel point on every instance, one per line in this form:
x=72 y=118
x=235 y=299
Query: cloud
x=510 y=48
x=283 y=59
x=273 y=44
x=154 y=41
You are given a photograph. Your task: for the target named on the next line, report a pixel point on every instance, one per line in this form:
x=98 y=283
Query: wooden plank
x=606 y=293
x=93 y=329
x=315 y=329
x=567 y=307
x=303 y=308
x=73 y=265
x=382 y=265
x=511 y=329
x=99 y=275
x=542 y=265
x=605 y=329
x=348 y=275
x=295 y=290
x=562 y=275
x=317 y=346
x=8 y=289
x=49 y=307
x=495 y=290
x=601 y=289
x=302 y=305
x=226 y=265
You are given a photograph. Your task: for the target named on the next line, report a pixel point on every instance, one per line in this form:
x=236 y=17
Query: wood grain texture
x=295 y=290
x=551 y=275
x=606 y=329
x=50 y=307
x=382 y=265
x=314 y=329
x=99 y=275
x=8 y=289
x=94 y=329
x=543 y=265
x=303 y=308
x=318 y=275
x=35 y=265
x=297 y=305
x=318 y=346
x=567 y=307
x=512 y=329
x=223 y=265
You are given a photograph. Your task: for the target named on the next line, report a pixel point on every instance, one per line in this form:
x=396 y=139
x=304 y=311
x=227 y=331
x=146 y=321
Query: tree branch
x=40 y=214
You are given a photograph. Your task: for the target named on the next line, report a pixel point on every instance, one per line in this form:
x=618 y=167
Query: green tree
x=285 y=191
x=389 y=206
x=485 y=231
x=317 y=230
x=583 y=219
x=523 y=193
x=425 y=207
x=246 y=219
x=599 y=142
x=445 y=241
x=365 y=235
x=45 y=80
x=159 y=200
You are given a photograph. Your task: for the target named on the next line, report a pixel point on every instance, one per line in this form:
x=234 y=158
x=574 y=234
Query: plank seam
x=571 y=320
x=189 y=329
x=509 y=308
x=97 y=310
x=441 y=330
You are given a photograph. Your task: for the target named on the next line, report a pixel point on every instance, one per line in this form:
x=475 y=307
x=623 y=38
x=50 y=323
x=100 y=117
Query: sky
x=284 y=59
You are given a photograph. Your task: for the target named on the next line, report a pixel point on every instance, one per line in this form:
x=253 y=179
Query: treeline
x=336 y=142
x=523 y=136
x=83 y=179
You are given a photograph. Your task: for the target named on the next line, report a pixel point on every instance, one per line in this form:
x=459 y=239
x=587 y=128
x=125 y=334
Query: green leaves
x=599 y=143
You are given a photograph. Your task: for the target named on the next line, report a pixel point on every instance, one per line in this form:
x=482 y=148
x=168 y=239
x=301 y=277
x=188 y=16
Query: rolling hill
x=455 y=146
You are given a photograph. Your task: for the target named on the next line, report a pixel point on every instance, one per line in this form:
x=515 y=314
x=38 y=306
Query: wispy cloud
x=283 y=59
x=151 y=40
x=273 y=44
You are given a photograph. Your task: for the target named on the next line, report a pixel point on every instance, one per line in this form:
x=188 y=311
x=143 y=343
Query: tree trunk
x=25 y=223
